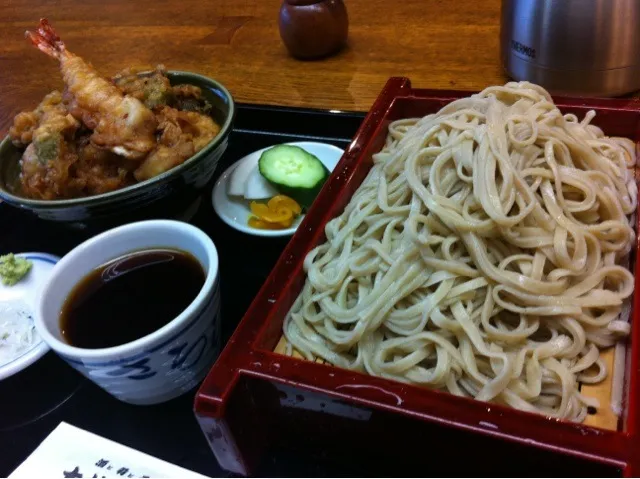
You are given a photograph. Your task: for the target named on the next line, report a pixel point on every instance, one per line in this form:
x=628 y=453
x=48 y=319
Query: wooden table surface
x=436 y=43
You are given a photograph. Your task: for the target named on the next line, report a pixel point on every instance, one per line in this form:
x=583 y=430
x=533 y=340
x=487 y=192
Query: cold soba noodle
x=485 y=254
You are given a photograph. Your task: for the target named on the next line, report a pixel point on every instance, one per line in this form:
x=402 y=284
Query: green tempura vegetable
x=13 y=269
x=155 y=97
x=47 y=148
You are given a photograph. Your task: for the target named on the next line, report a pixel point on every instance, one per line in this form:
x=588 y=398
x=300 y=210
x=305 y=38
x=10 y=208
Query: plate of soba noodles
x=469 y=263
x=485 y=254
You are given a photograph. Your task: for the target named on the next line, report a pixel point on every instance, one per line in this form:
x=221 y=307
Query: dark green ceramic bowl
x=168 y=195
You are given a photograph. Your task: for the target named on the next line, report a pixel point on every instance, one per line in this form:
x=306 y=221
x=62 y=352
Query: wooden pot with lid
x=313 y=28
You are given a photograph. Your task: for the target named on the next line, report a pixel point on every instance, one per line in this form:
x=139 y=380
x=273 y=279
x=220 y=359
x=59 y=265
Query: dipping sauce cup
x=159 y=366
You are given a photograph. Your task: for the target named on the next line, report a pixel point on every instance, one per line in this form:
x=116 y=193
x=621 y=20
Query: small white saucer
x=235 y=211
x=26 y=291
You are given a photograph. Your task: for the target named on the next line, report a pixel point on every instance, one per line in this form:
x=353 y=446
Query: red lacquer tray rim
x=242 y=356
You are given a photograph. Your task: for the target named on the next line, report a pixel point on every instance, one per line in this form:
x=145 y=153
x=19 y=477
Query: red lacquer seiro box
x=253 y=395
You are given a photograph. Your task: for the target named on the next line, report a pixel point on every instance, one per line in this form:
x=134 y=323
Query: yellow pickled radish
x=279 y=212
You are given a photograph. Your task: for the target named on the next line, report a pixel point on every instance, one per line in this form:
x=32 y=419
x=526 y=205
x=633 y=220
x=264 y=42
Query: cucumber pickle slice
x=294 y=172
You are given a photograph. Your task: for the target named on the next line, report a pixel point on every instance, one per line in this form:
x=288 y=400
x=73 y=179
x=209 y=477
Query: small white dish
x=235 y=211
x=159 y=366
x=26 y=291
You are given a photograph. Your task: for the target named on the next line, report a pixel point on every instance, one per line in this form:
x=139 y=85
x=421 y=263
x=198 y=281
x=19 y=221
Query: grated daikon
x=17 y=331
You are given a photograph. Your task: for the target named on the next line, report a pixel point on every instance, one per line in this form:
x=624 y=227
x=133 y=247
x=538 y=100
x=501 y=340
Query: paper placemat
x=72 y=452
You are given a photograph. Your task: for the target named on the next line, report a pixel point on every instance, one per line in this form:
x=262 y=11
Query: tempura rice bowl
x=167 y=195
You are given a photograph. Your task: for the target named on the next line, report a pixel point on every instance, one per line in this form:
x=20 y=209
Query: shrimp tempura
x=121 y=123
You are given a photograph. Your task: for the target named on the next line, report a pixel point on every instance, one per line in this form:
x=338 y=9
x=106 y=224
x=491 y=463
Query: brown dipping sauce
x=130 y=297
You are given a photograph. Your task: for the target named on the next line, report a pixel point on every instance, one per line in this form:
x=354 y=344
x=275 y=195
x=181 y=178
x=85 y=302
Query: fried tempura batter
x=93 y=137
x=153 y=89
x=102 y=171
x=48 y=131
x=121 y=123
x=50 y=117
x=183 y=133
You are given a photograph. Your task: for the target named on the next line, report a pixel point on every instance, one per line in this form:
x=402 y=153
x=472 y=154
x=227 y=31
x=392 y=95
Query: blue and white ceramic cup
x=164 y=364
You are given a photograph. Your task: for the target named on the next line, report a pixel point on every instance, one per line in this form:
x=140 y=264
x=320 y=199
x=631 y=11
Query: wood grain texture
x=436 y=43
x=604 y=418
